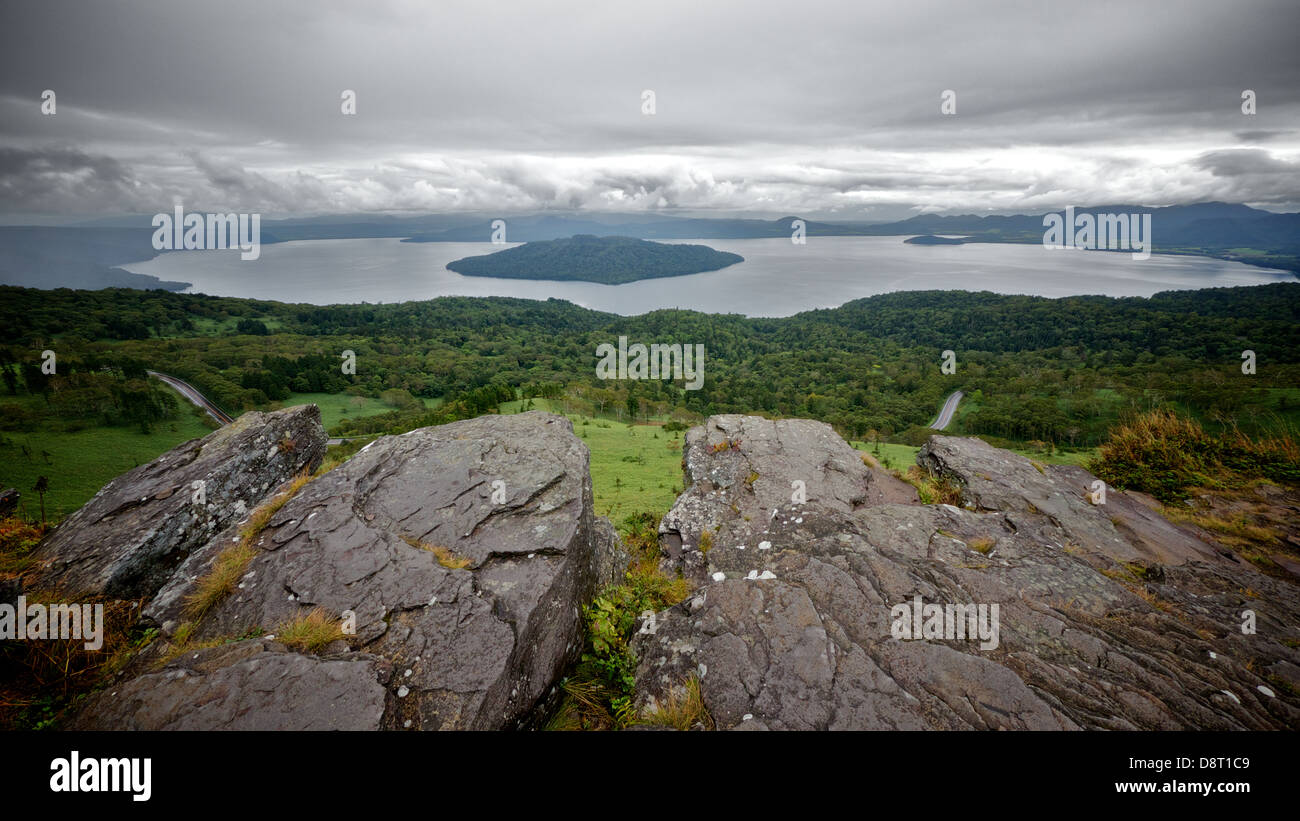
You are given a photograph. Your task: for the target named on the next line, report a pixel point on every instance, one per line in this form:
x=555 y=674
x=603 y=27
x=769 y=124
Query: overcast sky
x=827 y=109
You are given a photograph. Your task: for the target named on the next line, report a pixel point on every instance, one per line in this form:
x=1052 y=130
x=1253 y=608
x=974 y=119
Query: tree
x=42 y=485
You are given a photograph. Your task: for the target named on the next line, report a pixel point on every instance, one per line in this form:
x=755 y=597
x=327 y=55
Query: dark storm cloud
x=1262 y=136
x=1252 y=170
x=822 y=108
x=51 y=179
x=1244 y=161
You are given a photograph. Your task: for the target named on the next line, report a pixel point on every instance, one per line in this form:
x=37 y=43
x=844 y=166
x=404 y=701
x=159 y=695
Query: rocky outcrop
x=128 y=539
x=9 y=499
x=825 y=596
x=840 y=613
x=1123 y=528
x=460 y=556
x=251 y=685
x=744 y=472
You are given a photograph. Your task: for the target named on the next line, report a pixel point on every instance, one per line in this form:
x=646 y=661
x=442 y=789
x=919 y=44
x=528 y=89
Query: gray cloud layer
x=821 y=108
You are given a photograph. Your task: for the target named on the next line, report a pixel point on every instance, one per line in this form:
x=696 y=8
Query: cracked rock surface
x=465 y=553
x=127 y=540
x=1108 y=616
x=252 y=685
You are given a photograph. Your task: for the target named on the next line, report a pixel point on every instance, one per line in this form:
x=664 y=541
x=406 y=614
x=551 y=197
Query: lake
x=777 y=277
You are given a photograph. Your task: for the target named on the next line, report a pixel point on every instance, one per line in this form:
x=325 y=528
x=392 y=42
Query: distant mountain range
x=87 y=256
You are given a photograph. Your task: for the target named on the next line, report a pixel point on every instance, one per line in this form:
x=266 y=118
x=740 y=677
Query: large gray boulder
x=463 y=552
x=127 y=540
x=797 y=622
x=743 y=472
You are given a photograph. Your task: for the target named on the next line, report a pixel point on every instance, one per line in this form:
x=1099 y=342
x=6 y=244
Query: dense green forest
x=608 y=260
x=1051 y=370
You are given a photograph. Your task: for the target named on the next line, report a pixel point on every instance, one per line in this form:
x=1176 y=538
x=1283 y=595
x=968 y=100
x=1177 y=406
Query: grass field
x=335 y=407
x=632 y=468
x=895 y=457
x=79 y=464
x=1070 y=457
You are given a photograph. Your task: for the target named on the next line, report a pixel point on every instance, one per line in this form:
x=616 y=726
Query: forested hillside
x=1032 y=368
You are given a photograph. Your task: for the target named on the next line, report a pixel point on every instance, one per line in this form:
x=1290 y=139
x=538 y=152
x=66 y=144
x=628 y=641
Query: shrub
x=1164 y=454
x=17 y=539
x=601 y=690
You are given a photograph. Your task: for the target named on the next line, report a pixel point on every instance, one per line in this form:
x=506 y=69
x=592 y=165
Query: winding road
x=949 y=408
x=191 y=393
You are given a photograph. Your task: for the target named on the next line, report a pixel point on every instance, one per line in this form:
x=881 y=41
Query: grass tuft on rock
x=310 y=632
x=682 y=709
x=445 y=555
x=231 y=564
x=932 y=489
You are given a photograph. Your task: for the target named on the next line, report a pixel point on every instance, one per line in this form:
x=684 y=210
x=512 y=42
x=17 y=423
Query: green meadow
x=633 y=467
x=79 y=463
x=335 y=407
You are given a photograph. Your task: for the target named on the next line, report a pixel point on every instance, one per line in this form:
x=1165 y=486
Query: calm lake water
x=777 y=277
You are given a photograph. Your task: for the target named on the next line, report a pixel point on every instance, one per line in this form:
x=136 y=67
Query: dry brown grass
x=1238 y=526
x=982 y=545
x=584 y=708
x=18 y=539
x=1251 y=529
x=231 y=564
x=932 y=489
x=43 y=676
x=445 y=555
x=682 y=709
x=310 y=632
x=1165 y=454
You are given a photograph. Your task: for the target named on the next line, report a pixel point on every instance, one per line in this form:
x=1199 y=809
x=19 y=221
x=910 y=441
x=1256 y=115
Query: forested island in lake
x=931 y=239
x=607 y=260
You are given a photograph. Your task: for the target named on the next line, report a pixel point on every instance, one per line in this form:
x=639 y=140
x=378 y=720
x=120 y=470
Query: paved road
x=949 y=408
x=191 y=393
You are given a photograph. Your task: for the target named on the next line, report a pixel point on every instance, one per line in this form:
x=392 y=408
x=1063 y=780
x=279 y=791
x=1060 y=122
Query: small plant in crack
x=445 y=555
x=310 y=632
